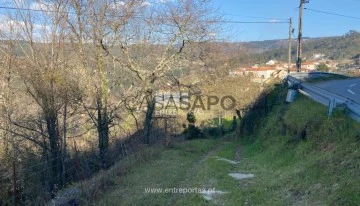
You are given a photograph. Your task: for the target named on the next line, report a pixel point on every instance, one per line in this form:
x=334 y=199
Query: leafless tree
x=89 y=24
x=157 y=40
x=43 y=71
x=63 y=54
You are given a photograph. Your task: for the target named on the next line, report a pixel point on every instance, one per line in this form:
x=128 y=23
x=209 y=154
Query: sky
x=315 y=24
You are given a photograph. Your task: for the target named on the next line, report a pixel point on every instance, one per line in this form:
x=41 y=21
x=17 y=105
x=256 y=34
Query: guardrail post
x=292 y=92
x=331 y=107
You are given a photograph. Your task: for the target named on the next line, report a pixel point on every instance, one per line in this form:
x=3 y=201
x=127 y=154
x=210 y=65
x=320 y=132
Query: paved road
x=349 y=88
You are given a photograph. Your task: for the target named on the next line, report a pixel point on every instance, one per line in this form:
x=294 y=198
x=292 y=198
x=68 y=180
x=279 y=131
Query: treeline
x=83 y=73
x=342 y=47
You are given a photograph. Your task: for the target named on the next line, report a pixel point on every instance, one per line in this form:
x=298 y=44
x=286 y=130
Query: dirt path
x=238 y=153
x=187 y=181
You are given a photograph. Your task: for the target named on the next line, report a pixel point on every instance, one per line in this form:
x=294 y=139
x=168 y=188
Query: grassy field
x=187 y=165
x=319 y=167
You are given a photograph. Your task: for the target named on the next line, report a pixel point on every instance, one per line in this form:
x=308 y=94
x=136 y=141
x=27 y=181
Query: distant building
x=318 y=56
x=286 y=65
x=261 y=72
x=293 y=69
x=309 y=65
x=275 y=69
x=237 y=72
x=271 y=62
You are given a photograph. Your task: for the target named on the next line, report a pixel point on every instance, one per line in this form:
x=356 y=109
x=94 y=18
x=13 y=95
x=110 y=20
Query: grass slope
x=320 y=168
x=181 y=166
x=323 y=168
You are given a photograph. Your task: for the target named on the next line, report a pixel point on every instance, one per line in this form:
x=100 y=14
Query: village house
x=261 y=72
x=318 y=56
x=309 y=65
x=271 y=62
x=237 y=72
x=273 y=69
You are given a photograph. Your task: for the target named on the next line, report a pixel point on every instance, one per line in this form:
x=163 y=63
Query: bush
x=193 y=132
x=191 y=117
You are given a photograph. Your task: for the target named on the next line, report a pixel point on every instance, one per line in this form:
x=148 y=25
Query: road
x=349 y=88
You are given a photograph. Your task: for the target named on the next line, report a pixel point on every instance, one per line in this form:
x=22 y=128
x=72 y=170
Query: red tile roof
x=259 y=69
x=308 y=63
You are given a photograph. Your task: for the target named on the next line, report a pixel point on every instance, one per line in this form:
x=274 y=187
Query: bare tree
x=157 y=40
x=43 y=69
x=89 y=23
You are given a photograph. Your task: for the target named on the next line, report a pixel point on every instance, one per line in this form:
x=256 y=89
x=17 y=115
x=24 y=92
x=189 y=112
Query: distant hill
x=346 y=46
x=338 y=47
x=235 y=54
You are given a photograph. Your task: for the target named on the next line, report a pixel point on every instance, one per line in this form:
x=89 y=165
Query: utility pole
x=290 y=33
x=299 y=46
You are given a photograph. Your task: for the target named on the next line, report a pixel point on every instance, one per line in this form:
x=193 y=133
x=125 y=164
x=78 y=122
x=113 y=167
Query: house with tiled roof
x=261 y=72
x=309 y=65
x=237 y=72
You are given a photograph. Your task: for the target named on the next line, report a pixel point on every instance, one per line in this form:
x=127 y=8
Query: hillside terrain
x=79 y=119
x=338 y=47
x=292 y=155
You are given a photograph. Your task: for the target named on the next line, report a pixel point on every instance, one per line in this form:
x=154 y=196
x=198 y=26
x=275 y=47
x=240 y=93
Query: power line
x=45 y=10
x=273 y=21
x=253 y=17
x=251 y=22
x=29 y=9
x=334 y=14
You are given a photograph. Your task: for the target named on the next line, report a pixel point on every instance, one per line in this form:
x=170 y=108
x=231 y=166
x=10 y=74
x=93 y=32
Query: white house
x=318 y=56
x=237 y=72
x=309 y=65
x=271 y=62
x=261 y=72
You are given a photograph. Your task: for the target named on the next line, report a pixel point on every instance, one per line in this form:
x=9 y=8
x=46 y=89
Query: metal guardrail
x=323 y=96
x=309 y=75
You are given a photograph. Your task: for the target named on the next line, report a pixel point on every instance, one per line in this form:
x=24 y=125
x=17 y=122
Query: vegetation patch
x=320 y=169
x=274 y=168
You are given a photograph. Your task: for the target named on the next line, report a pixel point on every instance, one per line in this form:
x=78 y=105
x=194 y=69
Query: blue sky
x=314 y=24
